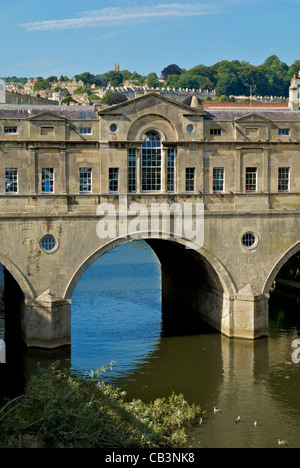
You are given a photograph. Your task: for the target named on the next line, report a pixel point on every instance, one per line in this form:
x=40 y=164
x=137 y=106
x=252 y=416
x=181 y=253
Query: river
x=116 y=316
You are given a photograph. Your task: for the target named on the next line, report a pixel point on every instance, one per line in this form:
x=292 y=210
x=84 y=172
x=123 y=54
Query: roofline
x=196 y=110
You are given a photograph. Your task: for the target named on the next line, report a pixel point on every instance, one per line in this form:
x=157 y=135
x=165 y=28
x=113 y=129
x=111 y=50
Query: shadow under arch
x=192 y=281
x=278 y=266
x=18 y=276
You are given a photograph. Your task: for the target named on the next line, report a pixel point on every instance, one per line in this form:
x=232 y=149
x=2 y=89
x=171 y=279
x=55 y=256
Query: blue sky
x=71 y=37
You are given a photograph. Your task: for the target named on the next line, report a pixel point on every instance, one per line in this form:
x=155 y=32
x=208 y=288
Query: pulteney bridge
x=60 y=164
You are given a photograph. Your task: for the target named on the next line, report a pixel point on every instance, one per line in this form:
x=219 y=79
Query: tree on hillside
x=152 y=81
x=113 y=98
x=138 y=79
x=41 y=84
x=114 y=78
x=170 y=70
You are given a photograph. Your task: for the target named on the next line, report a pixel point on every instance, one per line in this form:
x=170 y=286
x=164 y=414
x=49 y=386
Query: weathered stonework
x=222 y=281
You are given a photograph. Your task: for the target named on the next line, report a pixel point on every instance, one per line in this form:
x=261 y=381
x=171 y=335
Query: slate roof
x=8 y=111
x=275 y=115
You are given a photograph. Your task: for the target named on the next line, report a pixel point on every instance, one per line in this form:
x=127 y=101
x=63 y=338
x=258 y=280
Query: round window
x=113 y=128
x=190 y=128
x=48 y=243
x=249 y=240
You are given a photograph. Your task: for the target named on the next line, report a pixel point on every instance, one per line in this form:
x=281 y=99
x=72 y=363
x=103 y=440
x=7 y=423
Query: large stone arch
x=194 y=280
x=278 y=265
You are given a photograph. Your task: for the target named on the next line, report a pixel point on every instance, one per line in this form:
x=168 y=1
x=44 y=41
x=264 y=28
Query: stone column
x=63 y=170
x=250 y=314
x=32 y=166
x=265 y=175
x=46 y=322
x=238 y=185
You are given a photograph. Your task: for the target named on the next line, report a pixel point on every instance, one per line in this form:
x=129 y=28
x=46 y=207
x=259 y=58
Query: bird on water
x=282 y=442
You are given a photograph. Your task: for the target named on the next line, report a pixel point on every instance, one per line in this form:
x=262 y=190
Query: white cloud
x=110 y=16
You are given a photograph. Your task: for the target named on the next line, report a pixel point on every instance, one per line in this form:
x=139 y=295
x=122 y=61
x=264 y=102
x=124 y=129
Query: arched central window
x=151 y=162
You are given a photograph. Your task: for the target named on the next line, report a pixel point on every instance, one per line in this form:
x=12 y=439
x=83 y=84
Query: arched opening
x=12 y=302
x=283 y=287
x=136 y=293
x=11 y=308
x=285 y=292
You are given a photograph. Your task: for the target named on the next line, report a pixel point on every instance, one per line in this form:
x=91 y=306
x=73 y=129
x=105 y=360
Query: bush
x=59 y=410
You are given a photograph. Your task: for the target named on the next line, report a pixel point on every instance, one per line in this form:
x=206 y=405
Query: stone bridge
x=223 y=282
x=72 y=172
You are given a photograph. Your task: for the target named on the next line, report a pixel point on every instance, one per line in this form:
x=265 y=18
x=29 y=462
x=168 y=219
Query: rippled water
x=116 y=316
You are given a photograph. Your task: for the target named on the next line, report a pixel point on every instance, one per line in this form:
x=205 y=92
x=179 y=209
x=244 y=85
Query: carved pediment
x=47 y=116
x=252 y=118
x=149 y=101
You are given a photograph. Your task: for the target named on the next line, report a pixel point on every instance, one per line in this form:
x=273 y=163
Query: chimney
x=294 y=93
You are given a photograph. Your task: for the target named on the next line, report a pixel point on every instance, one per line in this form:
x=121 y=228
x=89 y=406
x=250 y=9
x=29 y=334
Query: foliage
x=94 y=97
x=60 y=411
x=41 y=84
x=234 y=78
x=63 y=78
x=114 y=78
x=152 y=81
x=170 y=70
x=226 y=77
x=82 y=90
x=15 y=79
x=68 y=100
x=113 y=98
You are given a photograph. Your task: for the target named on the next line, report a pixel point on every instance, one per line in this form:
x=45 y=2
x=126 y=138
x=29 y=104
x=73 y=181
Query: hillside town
x=84 y=90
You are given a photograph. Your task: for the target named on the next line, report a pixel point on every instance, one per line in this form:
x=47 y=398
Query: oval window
x=249 y=240
x=113 y=128
x=48 y=243
x=190 y=128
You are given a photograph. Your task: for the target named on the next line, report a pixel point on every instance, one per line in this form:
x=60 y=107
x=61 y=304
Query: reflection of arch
x=19 y=277
x=222 y=279
x=152 y=122
x=277 y=267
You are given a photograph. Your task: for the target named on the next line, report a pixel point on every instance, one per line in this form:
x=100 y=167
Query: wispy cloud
x=111 y=16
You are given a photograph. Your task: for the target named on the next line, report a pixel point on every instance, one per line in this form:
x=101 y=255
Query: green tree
x=137 y=78
x=152 y=81
x=63 y=78
x=41 y=84
x=170 y=70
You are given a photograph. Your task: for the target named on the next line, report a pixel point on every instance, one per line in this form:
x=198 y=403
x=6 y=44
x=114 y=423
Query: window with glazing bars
x=218 y=179
x=11 y=180
x=251 y=179
x=170 y=170
x=48 y=180
x=114 y=180
x=85 y=179
x=132 y=152
x=151 y=162
x=190 y=179
x=283 y=179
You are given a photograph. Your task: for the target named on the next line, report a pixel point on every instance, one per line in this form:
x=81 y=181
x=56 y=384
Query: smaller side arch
x=279 y=264
x=25 y=286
